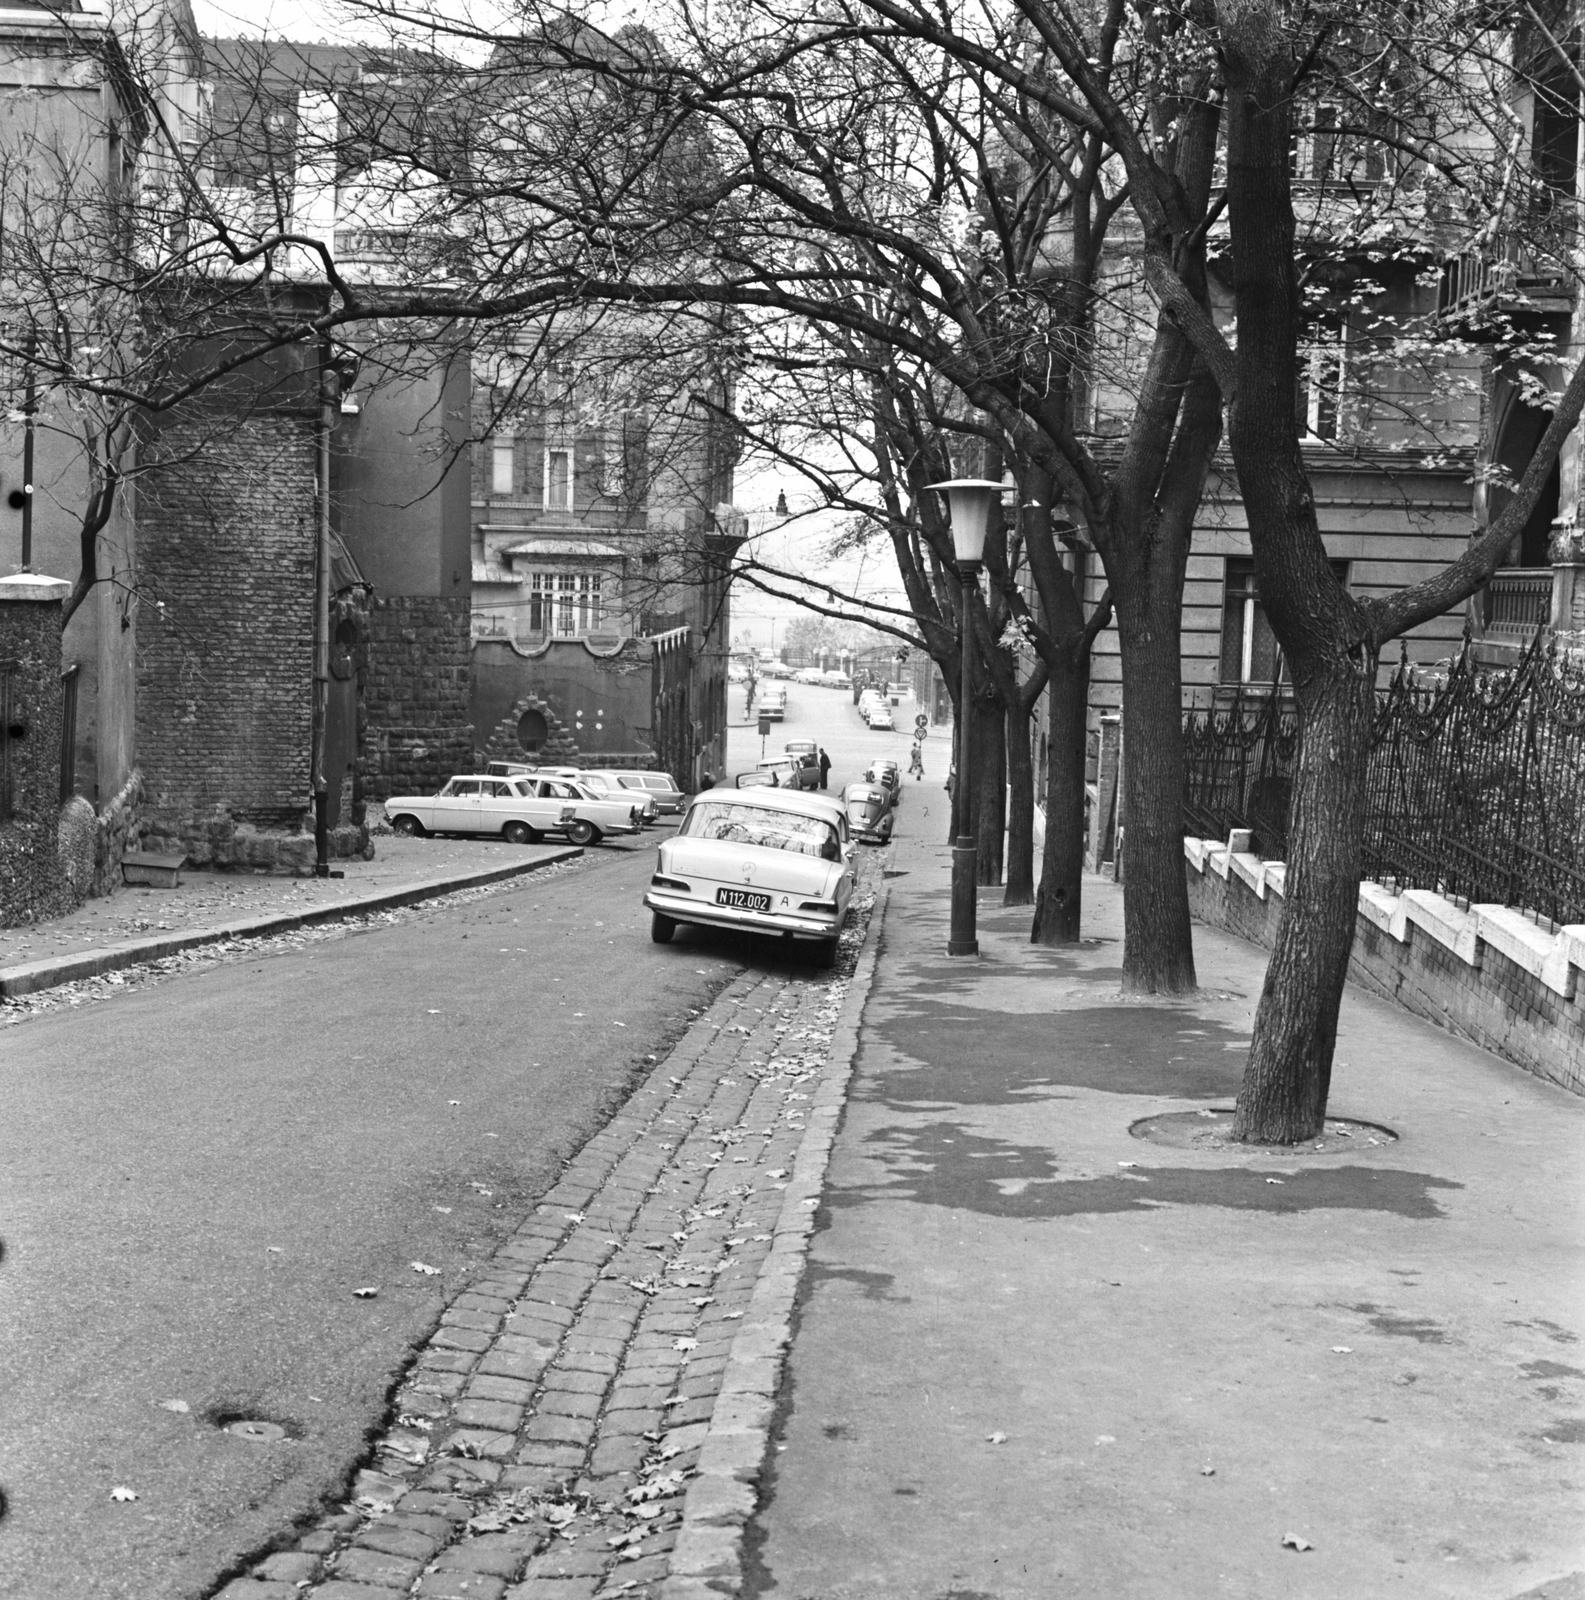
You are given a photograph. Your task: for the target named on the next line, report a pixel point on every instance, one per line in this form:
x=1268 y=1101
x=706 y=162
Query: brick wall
x=417 y=695
x=226 y=544
x=33 y=881
x=1498 y=1004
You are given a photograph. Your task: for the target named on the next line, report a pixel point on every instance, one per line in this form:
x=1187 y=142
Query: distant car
x=761 y=861
x=522 y=810
x=781 y=772
x=612 y=786
x=868 y=699
x=774 y=669
x=881 y=717
x=773 y=703
x=836 y=679
x=869 y=809
x=660 y=784
x=802 y=747
x=887 y=773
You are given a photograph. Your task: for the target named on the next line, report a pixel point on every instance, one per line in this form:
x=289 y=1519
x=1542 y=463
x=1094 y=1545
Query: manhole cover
x=1212 y=1129
x=256 y=1429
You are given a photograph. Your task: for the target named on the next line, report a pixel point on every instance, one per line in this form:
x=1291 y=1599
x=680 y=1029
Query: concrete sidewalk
x=1040 y=1356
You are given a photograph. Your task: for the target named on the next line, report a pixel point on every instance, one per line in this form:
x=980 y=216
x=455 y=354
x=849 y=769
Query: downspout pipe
x=329 y=396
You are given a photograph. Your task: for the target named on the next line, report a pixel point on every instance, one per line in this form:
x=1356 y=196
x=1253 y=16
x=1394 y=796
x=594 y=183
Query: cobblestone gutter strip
x=28 y=977
x=707 y=1561
x=574 y=1393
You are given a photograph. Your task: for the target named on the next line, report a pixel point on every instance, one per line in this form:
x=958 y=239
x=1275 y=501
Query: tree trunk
x=1158 y=947
x=1057 y=905
x=990 y=785
x=1283 y=1096
x=1020 y=886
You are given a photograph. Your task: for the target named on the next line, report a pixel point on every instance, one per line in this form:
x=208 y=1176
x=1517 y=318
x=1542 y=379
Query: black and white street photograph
x=975 y=611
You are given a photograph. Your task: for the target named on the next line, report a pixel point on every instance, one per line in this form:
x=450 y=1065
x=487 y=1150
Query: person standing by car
x=825 y=768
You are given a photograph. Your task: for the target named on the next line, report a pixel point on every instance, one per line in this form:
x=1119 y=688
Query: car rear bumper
x=797 y=925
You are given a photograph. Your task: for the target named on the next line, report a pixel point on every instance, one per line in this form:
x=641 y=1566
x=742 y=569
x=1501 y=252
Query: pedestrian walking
x=825 y=768
x=916 y=762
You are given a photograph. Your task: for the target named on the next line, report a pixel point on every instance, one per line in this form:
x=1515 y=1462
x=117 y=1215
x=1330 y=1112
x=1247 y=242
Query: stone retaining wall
x=419 y=730
x=1487 y=973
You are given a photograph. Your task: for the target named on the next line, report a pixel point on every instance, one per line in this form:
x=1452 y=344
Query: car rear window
x=760 y=825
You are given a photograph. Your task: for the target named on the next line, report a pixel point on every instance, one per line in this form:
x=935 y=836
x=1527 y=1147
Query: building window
x=558 y=480
x=1250 y=653
x=1323 y=378
x=503 y=459
x=567 y=604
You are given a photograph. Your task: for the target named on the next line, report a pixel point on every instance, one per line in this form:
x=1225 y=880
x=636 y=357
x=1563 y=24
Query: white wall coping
x=33 y=586
x=1557 y=959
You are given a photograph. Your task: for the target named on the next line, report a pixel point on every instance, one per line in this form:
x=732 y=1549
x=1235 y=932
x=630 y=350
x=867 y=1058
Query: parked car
x=522 y=810
x=880 y=719
x=802 y=747
x=836 y=679
x=610 y=786
x=659 y=784
x=869 y=809
x=509 y=769
x=775 y=669
x=761 y=861
x=773 y=702
x=887 y=772
x=781 y=772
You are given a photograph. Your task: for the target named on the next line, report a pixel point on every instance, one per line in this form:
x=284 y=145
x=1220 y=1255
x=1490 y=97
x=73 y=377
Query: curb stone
x=29 y=977
x=707 y=1560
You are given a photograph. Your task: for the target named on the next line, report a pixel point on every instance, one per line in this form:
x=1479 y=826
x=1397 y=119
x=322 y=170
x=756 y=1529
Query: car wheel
x=582 y=832
x=518 y=833
x=661 y=928
x=408 y=827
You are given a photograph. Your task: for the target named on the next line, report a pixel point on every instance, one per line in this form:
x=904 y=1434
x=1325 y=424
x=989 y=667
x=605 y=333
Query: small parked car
x=781 y=772
x=802 y=747
x=887 y=772
x=610 y=786
x=773 y=702
x=761 y=861
x=521 y=810
x=880 y=719
x=659 y=784
x=869 y=809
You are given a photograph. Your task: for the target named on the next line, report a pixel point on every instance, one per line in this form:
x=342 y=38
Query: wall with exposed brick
x=1481 y=994
x=416 y=694
x=33 y=882
x=226 y=537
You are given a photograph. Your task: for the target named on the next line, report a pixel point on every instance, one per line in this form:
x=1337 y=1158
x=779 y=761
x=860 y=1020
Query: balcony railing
x=1475 y=281
x=1518 y=603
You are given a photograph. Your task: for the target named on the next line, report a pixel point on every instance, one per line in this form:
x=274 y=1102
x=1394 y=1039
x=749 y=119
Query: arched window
x=532 y=732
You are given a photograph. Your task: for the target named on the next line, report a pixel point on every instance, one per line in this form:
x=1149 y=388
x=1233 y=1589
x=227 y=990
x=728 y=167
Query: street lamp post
x=969 y=503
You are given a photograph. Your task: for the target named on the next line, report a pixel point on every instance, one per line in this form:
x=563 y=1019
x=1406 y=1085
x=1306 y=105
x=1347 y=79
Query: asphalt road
x=199 y=1174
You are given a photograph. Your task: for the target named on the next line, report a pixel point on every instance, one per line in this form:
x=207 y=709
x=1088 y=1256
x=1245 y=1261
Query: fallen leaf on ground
x=1207 y=1472
x=685 y=1344
x=996 y=1438
x=175 y=1405
x=425 y=1268
x=366 y=1294
x=1274 y=1180
x=1292 y=1541
x=1342 y=1349
x=1106 y=1438
x=121 y=1492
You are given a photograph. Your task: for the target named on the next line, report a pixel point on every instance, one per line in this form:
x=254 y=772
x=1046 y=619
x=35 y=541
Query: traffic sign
x=921 y=722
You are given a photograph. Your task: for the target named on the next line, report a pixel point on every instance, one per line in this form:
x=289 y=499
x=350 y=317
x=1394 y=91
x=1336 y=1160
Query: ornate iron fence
x=1476 y=785
x=1238 y=768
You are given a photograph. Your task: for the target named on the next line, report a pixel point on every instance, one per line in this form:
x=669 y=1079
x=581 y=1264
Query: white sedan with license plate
x=521 y=810
x=772 y=861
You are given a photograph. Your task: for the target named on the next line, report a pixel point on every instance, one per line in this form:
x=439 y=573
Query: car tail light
x=658 y=882
x=829 y=906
